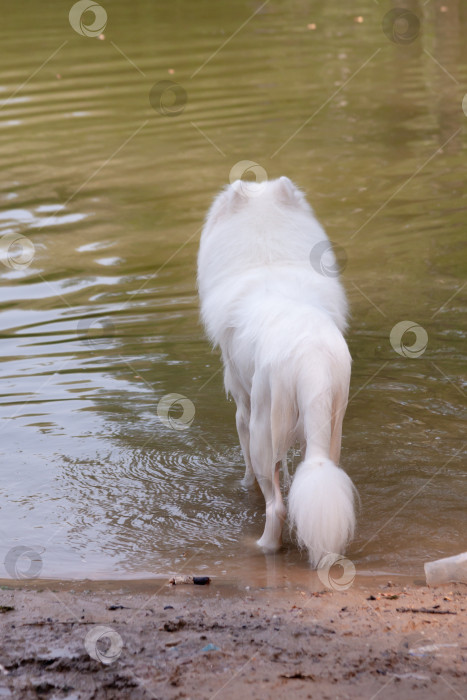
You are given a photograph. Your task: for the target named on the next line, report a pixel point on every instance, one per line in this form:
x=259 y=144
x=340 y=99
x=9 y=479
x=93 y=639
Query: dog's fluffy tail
x=321 y=508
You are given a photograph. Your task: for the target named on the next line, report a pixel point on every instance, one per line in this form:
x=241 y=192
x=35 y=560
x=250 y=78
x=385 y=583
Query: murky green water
x=104 y=321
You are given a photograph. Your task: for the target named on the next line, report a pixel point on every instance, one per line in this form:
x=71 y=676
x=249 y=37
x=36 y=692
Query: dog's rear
x=279 y=324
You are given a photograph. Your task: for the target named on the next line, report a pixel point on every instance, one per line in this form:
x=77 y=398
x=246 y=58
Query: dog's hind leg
x=271 y=538
x=338 y=410
x=264 y=466
x=241 y=397
x=243 y=429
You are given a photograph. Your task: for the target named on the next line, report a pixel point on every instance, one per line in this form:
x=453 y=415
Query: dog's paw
x=248 y=482
x=267 y=546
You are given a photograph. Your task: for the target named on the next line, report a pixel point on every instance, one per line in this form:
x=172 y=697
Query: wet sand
x=380 y=639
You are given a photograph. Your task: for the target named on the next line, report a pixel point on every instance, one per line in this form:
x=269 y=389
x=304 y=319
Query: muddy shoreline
x=148 y=639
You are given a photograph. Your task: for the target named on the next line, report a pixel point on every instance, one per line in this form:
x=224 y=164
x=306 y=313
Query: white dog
x=279 y=324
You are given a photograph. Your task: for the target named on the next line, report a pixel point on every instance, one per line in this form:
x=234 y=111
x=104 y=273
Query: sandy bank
x=219 y=641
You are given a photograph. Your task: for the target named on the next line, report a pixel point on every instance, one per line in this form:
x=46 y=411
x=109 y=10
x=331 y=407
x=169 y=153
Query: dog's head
x=270 y=194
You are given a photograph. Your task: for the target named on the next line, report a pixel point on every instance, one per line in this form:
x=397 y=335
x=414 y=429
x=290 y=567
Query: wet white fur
x=279 y=324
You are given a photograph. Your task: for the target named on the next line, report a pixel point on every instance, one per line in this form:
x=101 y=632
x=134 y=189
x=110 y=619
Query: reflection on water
x=100 y=215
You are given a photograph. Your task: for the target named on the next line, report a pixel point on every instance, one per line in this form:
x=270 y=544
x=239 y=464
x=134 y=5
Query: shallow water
x=99 y=319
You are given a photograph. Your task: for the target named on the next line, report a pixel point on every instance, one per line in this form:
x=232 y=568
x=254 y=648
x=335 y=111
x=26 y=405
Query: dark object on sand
x=197 y=580
x=433 y=610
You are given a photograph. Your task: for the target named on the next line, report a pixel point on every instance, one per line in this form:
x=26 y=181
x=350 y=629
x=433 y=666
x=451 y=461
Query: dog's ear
x=236 y=195
x=289 y=194
x=286 y=190
x=226 y=202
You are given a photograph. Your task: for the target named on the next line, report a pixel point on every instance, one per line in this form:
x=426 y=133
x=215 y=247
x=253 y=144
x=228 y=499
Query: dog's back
x=263 y=234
